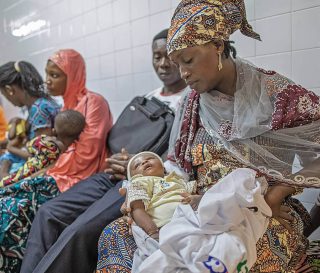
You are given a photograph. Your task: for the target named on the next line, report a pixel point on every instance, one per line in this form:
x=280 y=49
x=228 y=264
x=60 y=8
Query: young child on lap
x=44 y=150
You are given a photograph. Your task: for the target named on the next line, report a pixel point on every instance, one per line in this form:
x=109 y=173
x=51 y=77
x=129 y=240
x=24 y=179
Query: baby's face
x=147 y=165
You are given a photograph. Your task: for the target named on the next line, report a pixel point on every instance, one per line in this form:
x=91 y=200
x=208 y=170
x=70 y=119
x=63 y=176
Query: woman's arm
x=143 y=219
x=11 y=147
x=274 y=198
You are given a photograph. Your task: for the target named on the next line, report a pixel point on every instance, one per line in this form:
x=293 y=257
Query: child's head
x=68 y=125
x=146 y=164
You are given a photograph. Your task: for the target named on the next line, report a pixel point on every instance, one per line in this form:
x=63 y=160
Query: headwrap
x=73 y=65
x=86 y=156
x=197 y=22
x=138 y=155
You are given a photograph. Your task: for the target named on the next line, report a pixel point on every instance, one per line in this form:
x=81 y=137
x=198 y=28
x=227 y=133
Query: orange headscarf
x=86 y=156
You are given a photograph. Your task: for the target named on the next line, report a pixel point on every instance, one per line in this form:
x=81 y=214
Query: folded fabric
x=221 y=236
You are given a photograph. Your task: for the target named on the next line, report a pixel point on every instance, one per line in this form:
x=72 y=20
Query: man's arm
x=117 y=165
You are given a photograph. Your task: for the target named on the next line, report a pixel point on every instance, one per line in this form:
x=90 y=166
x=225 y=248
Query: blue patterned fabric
x=18 y=205
x=116 y=248
x=41 y=115
x=12 y=158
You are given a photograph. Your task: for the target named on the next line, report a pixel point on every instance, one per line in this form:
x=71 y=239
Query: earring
x=220 y=63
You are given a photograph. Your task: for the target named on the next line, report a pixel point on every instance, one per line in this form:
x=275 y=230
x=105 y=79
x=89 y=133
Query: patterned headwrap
x=197 y=22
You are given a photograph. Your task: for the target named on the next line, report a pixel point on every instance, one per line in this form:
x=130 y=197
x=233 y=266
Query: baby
x=44 y=150
x=220 y=236
x=152 y=196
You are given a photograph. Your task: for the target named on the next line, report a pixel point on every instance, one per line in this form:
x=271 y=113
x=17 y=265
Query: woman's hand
x=193 y=200
x=274 y=198
x=117 y=165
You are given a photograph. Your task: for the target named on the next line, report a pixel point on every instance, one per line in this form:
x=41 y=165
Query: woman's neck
x=174 y=88
x=229 y=78
x=30 y=100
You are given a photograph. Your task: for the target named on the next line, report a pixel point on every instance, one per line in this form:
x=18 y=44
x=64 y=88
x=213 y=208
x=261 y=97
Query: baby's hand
x=193 y=200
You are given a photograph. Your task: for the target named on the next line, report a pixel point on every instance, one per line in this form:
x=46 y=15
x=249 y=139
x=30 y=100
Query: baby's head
x=68 y=126
x=146 y=164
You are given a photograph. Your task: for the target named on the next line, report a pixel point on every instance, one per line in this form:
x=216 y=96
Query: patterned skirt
x=18 y=205
x=278 y=250
x=115 y=248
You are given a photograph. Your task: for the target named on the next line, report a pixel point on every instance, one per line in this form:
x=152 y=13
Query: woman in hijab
x=66 y=77
x=236 y=116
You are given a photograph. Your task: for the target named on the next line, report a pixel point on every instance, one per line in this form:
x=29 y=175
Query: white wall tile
x=124 y=88
x=304 y=4
x=107 y=66
x=106 y=41
x=175 y=3
x=91 y=45
x=77 y=27
x=245 y=46
x=116 y=108
x=159 y=22
x=102 y=2
x=140 y=8
x=271 y=7
x=306 y=33
x=121 y=11
x=281 y=63
x=75 y=7
x=105 y=16
x=275 y=33
x=108 y=88
x=93 y=69
x=306 y=67
x=140 y=31
x=90 y=22
x=250 y=9
x=88 y=4
x=142 y=83
x=123 y=62
x=142 y=58
x=122 y=37
x=158 y=6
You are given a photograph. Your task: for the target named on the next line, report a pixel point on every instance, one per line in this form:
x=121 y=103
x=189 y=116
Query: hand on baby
x=192 y=199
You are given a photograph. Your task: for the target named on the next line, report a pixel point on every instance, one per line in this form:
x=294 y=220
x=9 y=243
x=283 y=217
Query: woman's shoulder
x=46 y=105
x=96 y=99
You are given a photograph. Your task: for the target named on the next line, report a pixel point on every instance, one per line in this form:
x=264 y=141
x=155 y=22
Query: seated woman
x=66 y=77
x=22 y=85
x=44 y=150
x=236 y=116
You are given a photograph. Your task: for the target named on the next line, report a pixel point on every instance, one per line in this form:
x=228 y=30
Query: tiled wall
x=115 y=38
